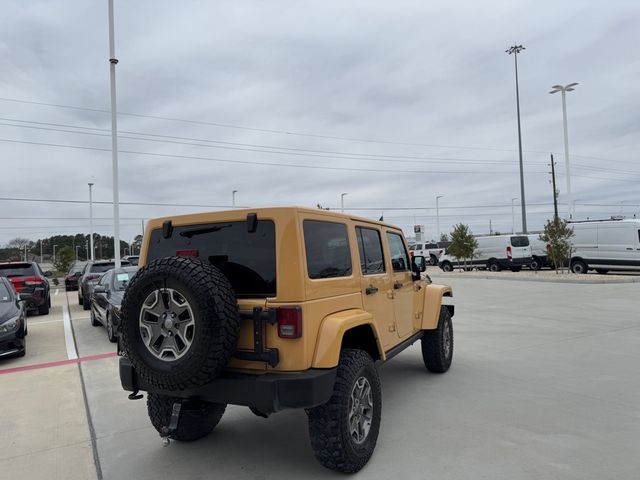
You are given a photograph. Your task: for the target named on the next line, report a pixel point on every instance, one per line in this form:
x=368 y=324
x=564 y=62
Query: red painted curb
x=59 y=363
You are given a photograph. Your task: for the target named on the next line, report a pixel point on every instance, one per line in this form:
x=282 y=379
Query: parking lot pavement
x=43 y=427
x=544 y=384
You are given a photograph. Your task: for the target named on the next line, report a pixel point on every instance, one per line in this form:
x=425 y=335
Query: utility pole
x=515 y=49
x=555 y=192
x=114 y=141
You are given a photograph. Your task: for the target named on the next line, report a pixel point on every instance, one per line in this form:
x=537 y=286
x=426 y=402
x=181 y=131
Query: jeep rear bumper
x=268 y=393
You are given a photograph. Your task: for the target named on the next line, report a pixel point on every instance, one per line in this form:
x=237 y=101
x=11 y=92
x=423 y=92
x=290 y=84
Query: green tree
x=463 y=244
x=557 y=235
x=64 y=259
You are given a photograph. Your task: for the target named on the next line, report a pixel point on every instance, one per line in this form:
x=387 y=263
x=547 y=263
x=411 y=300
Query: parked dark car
x=106 y=298
x=29 y=281
x=71 y=280
x=13 y=321
x=91 y=273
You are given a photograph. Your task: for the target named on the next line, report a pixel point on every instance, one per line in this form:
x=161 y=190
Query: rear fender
x=332 y=331
x=433 y=303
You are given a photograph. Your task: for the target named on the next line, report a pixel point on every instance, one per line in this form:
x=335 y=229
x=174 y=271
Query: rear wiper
x=203 y=230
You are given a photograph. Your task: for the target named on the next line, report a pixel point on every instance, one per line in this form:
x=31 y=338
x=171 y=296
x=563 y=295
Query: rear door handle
x=371 y=290
x=397 y=285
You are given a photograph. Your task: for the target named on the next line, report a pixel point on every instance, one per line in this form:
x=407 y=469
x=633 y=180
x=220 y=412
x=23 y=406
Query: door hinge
x=392 y=327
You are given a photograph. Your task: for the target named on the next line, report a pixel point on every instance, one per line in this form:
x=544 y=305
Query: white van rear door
x=618 y=245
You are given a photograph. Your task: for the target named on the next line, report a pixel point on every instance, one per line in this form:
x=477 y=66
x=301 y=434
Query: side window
x=399 y=257
x=104 y=280
x=370 y=249
x=327 y=248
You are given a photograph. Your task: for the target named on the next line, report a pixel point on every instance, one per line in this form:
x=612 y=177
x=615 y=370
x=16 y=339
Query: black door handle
x=371 y=290
x=397 y=285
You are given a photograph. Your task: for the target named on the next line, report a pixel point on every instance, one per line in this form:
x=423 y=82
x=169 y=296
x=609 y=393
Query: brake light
x=289 y=322
x=187 y=253
x=509 y=254
x=33 y=281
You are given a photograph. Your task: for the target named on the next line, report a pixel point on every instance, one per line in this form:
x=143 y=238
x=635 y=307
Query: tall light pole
x=438 y=217
x=342 y=201
x=114 y=142
x=91 y=218
x=567 y=88
x=515 y=50
x=77 y=247
x=40 y=250
x=54 y=254
x=233 y=198
x=513 y=217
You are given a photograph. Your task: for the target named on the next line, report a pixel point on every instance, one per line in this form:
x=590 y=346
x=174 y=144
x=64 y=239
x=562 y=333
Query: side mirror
x=99 y=289
x=77 y=274
x=418 y=264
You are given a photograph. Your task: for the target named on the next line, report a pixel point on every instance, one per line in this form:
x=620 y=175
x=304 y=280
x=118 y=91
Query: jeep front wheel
x=197 y=418
x=437 y=345
x=344 y=430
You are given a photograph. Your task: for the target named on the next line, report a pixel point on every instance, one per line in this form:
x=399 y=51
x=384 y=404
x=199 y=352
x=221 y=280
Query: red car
x=29 y=281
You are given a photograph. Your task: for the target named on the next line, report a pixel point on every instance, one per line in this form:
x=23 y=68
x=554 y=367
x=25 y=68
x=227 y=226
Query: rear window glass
x=370 y=249
x=520 y=241
x=327 y=248
x=17 y=270
x=101 y=267
x=431 y=245
x=247 y=259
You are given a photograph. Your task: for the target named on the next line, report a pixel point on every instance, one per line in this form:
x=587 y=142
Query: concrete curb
x=540 y=279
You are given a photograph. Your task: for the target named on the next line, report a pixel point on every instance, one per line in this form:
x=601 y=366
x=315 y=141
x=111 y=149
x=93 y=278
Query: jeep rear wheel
x=180 y=322
x=437 y=345
x=197 y=418
x=344 y=430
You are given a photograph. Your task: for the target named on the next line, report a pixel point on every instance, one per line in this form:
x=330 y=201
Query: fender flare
x=433 y=303
x=331 y=333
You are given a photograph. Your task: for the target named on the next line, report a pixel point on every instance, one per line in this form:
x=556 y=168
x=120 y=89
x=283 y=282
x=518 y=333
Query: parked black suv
x=91 y=273
x=29 y=281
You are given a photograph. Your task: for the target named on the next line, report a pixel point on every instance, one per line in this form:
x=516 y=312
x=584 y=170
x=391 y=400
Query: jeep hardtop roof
x=241 y=213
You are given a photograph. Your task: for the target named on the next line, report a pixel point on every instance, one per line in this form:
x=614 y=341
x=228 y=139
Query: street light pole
x=513 y=217
x=54 y=254
x=566 y=88
x=515 y=49
x=77 y=247
x=342 y=201
x=91 y=218
x=233 y=198
x=438 y=217
x=114 y=142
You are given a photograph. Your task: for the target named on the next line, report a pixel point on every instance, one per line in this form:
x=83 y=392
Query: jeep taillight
x=289 y=322
x=509 y=253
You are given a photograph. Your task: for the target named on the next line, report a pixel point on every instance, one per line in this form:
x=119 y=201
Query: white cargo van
x=604 y=245
x=495 y=252
x=539 y=254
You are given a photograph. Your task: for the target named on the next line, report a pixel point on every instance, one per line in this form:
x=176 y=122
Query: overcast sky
x=392 y=102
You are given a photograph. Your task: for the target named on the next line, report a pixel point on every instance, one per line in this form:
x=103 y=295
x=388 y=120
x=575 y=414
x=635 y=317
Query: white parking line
x=68 y=334
x=57 y=291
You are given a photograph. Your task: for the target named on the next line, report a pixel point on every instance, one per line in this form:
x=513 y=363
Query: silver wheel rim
x=167 y=325
x=446 y=340
x=360 y=410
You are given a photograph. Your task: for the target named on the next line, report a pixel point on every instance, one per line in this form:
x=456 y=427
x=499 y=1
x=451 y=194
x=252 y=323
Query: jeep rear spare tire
x=180 y=322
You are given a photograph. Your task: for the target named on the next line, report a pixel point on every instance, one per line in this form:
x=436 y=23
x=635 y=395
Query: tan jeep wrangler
x=277 y=308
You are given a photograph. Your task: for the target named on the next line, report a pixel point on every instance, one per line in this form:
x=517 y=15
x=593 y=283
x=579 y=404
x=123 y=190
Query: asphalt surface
x=544 y=384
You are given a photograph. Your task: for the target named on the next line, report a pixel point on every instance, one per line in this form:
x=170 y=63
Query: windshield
x=5 y=295
x=121 y=279
x=101 y=267
x=17 y=270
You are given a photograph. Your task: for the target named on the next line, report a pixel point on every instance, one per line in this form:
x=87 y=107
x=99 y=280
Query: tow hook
x=136 y=395
x=173 y=424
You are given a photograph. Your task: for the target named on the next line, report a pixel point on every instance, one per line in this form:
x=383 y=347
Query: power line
x=268 y=164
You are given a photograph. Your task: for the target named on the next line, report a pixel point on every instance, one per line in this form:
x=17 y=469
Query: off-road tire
x=435 y=353
x=331 y=441
x=579 y=267
x=447 y=267
x=215 y=313
x=197 y=418
x=94 y=321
